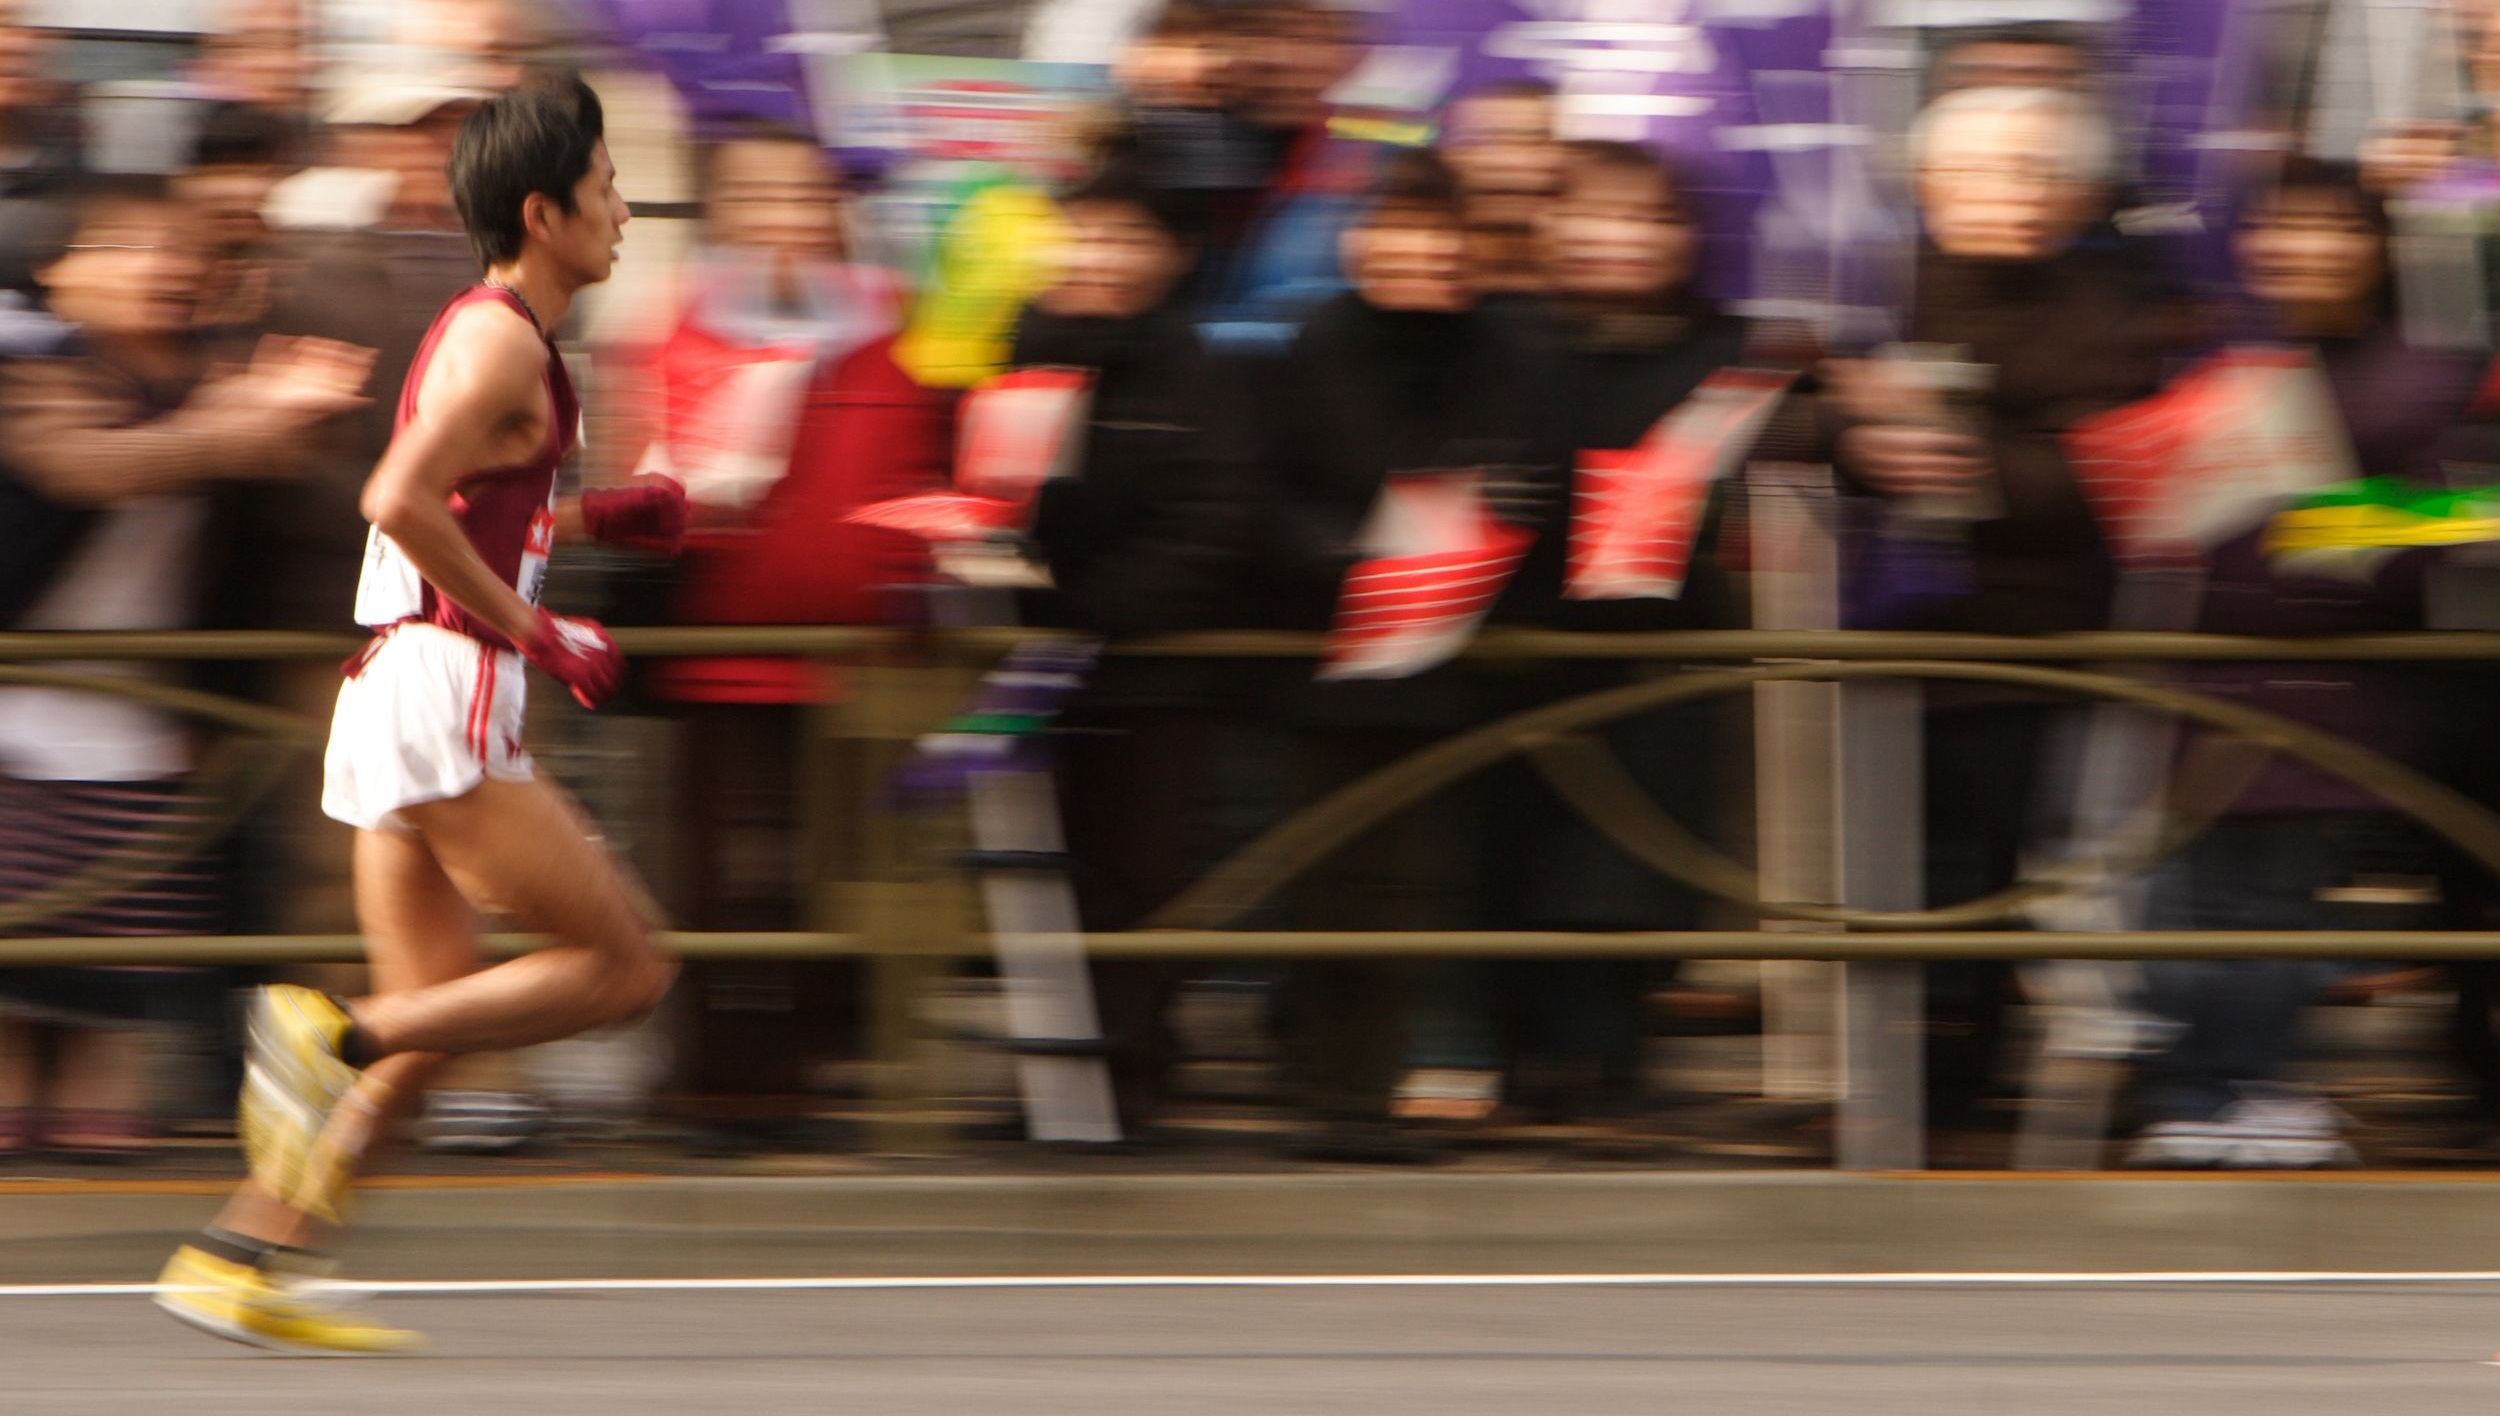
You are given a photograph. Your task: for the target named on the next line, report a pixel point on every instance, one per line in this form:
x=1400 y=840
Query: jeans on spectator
x=2242 y=1016
x=1346 y=1020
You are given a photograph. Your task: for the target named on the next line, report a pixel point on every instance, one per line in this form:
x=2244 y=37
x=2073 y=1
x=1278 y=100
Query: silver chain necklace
x=535 y=322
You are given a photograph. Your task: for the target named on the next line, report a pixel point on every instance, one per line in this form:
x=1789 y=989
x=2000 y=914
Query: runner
x=425 y=754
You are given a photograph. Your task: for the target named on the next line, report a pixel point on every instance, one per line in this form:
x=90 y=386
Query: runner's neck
x=547 y=294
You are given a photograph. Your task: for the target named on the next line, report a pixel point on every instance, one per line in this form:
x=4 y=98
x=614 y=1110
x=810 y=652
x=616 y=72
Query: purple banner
x=1773 y=112
x=718 y=54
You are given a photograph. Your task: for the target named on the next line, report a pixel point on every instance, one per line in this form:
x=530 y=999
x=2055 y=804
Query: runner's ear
x=538 y=215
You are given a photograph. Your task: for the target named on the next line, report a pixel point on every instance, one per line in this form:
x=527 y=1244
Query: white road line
x=1367 y=1280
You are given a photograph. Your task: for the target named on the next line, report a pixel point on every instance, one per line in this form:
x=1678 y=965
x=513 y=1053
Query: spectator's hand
x=297 y=381
x=1879 y=391
x=2408 y=155
x=1905 y=460
x=647 y=514
x=578 y=654
x=290 y=387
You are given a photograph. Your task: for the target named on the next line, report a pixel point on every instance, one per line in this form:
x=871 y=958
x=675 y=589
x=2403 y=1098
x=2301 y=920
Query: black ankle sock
x=356 y=1049
x=234 y=1248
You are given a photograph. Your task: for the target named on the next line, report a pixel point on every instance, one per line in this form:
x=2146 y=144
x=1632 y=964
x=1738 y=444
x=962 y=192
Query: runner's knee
x=633 y=983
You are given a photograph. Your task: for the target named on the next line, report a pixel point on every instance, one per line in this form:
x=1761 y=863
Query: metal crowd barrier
x=873 y=713
x=902 y=683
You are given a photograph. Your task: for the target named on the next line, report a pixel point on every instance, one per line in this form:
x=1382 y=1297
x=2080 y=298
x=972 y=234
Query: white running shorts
x=429 y=716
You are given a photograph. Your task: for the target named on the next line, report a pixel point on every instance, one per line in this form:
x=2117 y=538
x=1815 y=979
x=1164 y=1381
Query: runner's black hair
x=535 y=139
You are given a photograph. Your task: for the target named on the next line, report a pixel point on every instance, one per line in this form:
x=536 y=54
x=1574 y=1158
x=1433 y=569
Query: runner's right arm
x=484 y=392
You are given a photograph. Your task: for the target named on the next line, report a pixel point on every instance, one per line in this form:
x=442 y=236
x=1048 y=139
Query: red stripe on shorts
x=482 y=701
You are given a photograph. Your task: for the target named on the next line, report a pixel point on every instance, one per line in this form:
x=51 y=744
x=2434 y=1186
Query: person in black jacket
x=2012 y=185
x=1136 y=542
x=1402 y=374
x=1630 y=338
x=1139 y=540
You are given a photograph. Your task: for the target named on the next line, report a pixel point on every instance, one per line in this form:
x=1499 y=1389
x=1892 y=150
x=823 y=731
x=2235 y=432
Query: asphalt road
x=1941 y=1348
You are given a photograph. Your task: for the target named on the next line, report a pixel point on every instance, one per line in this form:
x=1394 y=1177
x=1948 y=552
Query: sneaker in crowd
x=2264 y=1130
x=1457 y=1095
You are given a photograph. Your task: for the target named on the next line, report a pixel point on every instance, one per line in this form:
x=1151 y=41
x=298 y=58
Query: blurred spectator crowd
x=1282 y=314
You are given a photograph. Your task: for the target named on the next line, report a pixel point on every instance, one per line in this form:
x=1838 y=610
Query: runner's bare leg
x=418 y=931
x=525 y=848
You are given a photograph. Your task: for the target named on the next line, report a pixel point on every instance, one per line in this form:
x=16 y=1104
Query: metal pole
x=1796 y=585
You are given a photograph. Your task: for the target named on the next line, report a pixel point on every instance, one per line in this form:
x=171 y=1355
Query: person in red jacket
x=780 y=406
x=781 y=409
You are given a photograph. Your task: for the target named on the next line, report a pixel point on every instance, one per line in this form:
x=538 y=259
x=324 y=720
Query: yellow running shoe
x=292 y=1079
x=337 y=1153
x=241 y=1304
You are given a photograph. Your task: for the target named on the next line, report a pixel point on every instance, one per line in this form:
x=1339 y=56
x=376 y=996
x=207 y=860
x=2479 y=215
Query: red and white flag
x=1437 y=561
x=2210 y=456
x=943 y=516
x=1637 y=512
x=1021 y=429
x=728 y=416
x=1015 y=432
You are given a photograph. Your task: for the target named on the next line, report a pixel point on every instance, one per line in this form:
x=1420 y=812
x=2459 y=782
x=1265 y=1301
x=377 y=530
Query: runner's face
x=585 y=239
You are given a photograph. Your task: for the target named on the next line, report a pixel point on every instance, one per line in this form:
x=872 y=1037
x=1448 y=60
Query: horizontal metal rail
x=2426 y=946
x=804 y=641
x=1869 y=650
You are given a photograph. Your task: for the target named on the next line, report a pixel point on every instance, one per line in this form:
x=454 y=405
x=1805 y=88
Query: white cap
x=395 y=103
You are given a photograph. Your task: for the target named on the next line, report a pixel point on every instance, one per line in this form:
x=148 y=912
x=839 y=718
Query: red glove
x=578 y=654
x=646 y=514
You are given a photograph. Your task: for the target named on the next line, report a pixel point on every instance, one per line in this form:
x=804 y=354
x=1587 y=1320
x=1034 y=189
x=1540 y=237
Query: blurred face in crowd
x=2011 y=64
x=1503 y=150
x=1176 y=70
x=778 y=198
x=1619 y=232
x=1285 y=60
x=134 y=271
x=2479 y=35
x=1408 y=257
x=256 y=54
x=1118 y=263
x=271 y=72
x=494 y=37
x=420 y=153
x=2314 y=254
x=227 y=202
x=26 y=57
x=2002 y=185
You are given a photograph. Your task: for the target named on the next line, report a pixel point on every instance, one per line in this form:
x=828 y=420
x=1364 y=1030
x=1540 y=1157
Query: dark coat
x=2396 y=404
x=1145 y=537
x=2068 y=337
x=1362 y=394
x=1611 y=381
